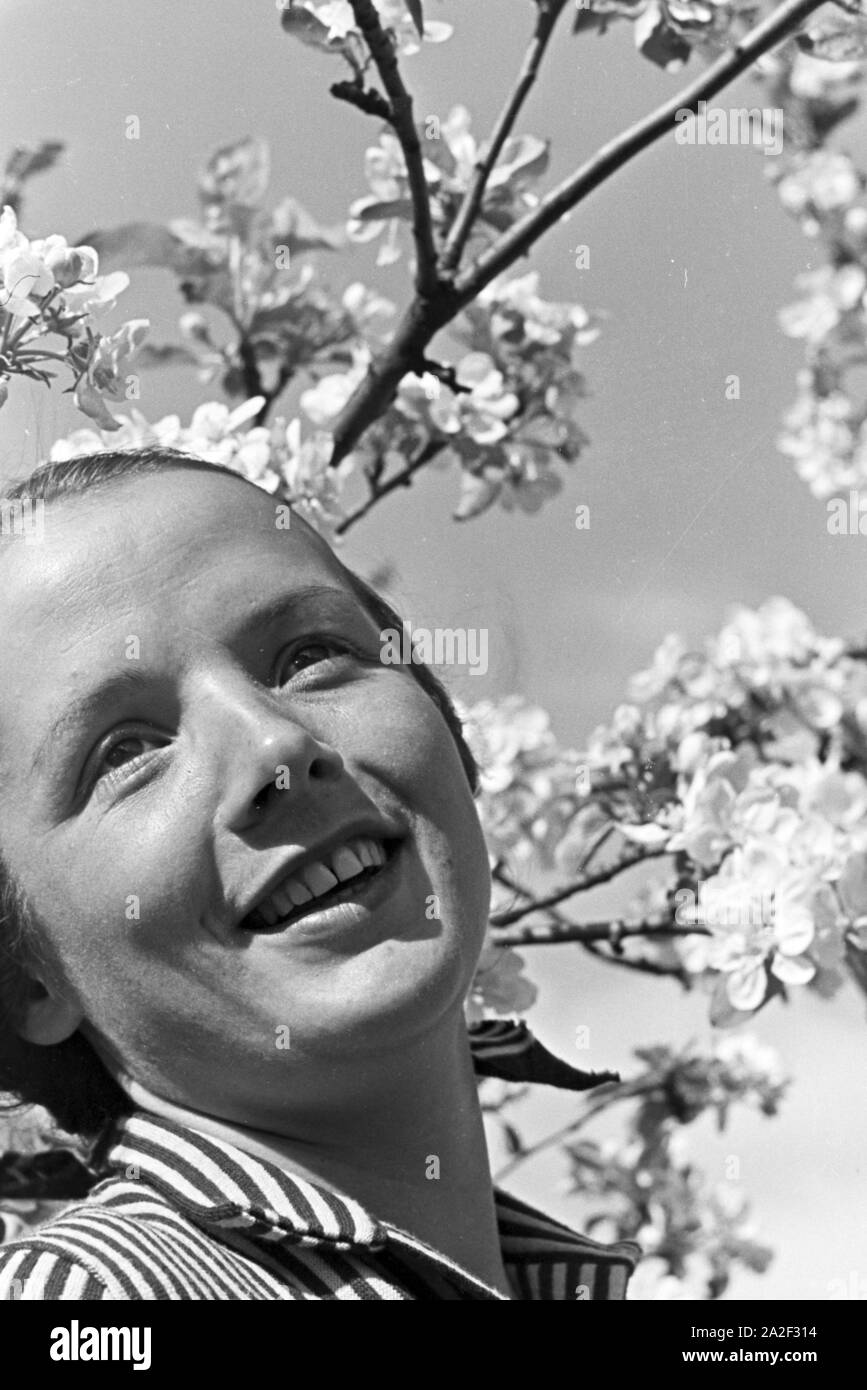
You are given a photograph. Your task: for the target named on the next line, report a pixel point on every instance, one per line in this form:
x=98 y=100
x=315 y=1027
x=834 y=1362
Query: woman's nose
x=266 y=754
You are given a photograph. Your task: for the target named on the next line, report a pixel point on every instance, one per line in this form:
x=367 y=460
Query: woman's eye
x=126 y=749
x=310 y=654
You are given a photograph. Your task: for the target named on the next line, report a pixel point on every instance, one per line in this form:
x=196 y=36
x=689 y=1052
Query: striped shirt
x=184 y=1215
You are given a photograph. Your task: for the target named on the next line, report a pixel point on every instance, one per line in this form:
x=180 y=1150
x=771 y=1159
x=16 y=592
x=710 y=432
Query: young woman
x=244 y=890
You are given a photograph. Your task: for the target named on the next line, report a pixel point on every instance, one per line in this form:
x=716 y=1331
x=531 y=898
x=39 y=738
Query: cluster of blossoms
x=692 y=1234
x=505 y=412
x=824 y=190
x=743 y=767
x=668 y=31
x=534 y=345
x=51 y=290
x=748 y=763
x=240 y=257
x=275 y=457
x=687 y=1084
x=528 y=800
x=449 y=153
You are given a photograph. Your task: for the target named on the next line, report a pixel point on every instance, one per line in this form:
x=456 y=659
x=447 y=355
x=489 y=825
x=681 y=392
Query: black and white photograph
x=433 y=666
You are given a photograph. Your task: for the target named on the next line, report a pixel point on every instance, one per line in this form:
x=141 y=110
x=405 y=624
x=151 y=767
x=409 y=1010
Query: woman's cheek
x=412 y=734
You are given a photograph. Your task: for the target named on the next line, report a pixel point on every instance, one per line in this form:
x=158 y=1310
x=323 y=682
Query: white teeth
x=370 y=852
x=281 y=899
x=364 y=850
x=345 y=864
x=318 y=879
x=297 y=892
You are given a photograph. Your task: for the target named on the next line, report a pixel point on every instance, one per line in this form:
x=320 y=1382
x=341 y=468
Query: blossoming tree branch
x=734 y=776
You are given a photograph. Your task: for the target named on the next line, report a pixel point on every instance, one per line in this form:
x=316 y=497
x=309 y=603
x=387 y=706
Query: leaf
x=415 y=10
x=193 y=237
x=375 y=210
x=587 y=19
x=293 y=226
x=21 y=165
x=134 y=243
x=304 y=26
x=723 y=1014
x=25 y=161
x=657 y=41
x=166 y=355
x=602 y=12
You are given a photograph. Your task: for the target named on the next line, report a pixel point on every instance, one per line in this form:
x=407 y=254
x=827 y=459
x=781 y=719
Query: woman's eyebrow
x=287 y=606
x=79 y=710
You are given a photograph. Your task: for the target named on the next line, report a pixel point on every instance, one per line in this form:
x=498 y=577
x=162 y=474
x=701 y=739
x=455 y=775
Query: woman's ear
x=46 y=1017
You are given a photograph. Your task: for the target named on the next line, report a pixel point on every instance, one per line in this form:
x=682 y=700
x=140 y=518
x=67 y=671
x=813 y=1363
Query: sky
x=692 y=509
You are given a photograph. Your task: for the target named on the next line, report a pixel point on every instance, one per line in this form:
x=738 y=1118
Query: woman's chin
x=402 y=992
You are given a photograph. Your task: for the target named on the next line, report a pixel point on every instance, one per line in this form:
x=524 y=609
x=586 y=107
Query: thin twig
x=611 y=957
x=402 y=122
x=618 y=1091
x=501 y=876
x=548 y=13
x=581 y=883
x=613 y=930
x=641 y=964
x=617 y=152
x=401 y=479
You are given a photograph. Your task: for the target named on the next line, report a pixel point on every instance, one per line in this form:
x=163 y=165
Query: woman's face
x=192 y=712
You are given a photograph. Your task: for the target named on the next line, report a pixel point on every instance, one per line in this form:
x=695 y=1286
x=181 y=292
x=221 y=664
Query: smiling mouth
x=335 y=879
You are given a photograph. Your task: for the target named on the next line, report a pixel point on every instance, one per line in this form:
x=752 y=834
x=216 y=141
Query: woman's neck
x=412 y=1152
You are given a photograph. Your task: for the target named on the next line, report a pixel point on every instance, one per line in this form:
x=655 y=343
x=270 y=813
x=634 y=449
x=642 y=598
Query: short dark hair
x=68 y=1079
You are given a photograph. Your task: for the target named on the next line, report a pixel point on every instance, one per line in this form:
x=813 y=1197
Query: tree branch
x=402 y=121
x=427 y=314
x=405 y=353
x=580 y=884
x=613 y=956
x=401 y=479
x=614 y=155
x=613 y=931
x=548 y=12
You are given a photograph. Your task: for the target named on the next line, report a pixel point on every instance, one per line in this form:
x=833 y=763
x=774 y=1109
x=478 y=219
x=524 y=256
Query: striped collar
x=227 y=1191
x=231 y=1194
